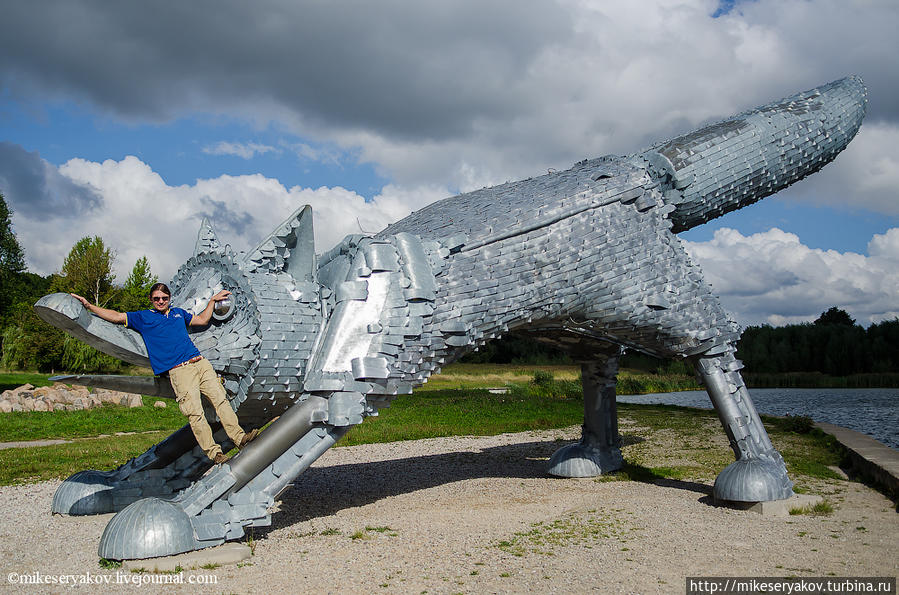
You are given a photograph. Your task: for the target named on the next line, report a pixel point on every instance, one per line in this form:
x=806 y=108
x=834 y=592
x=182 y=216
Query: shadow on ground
x=324 y=491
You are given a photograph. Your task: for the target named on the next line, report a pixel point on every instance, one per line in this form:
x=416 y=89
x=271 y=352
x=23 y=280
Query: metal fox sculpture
x=587 y=259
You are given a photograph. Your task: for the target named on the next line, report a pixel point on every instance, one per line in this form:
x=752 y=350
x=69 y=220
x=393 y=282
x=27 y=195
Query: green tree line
x=833 y=345
x=27 y=342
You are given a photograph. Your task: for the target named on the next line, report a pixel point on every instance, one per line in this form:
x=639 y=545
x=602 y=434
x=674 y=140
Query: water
x=871 y=411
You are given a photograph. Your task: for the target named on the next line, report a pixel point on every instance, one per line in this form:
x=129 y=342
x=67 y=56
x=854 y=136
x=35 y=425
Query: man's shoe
x=221 y=458
x=248 y=437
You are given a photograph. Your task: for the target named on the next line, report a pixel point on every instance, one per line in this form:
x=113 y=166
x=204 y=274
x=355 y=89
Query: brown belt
x=192 y=360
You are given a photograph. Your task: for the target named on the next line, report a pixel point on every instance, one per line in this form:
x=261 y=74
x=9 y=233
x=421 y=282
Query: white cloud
x=773 y=278
x=864 y=176
x=464 y=93
x=142 y=215
x=243 y=150
x=449 y=98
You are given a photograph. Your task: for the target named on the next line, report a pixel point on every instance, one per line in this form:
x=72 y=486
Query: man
x=164 y=330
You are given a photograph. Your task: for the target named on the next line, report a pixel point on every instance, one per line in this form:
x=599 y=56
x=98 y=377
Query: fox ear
x=207 y=241
x=290 y=248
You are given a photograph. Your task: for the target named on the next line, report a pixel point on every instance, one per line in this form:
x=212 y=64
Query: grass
x=822 y=508
x=455 y=403
x=11 y=380
x=630 y=382
x=25 y=465
x=571 y=529
x=431 y=414
x=47 y=425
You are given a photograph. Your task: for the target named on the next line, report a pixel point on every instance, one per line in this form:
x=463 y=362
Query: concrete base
x=869 y=458
x=228 y=553
x=774 y=508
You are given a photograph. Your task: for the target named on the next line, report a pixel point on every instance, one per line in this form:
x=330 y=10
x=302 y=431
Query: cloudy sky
x=133 y=121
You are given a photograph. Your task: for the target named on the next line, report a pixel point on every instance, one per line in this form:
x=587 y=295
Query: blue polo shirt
x=165 y=336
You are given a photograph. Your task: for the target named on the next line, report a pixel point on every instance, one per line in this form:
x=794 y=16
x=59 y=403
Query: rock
x=106 y=396
x=65 y=396
x=61 y=397
x=159 y=404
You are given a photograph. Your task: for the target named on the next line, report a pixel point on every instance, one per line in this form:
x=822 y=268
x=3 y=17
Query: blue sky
x=133 y=122
x=181 y=151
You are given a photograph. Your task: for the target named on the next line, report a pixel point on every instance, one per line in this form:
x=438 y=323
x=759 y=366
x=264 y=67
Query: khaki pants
x=189 y=382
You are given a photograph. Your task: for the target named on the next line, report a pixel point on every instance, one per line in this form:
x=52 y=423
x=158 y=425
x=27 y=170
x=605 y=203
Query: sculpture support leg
x=599 y=450
x=161 y=471
x=759 y=473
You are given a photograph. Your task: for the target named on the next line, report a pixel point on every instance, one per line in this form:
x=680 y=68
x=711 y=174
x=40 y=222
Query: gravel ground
x=478 y=515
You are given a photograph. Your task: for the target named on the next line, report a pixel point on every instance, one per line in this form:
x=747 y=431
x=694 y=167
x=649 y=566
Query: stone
x=5 y=406
x=159 y=404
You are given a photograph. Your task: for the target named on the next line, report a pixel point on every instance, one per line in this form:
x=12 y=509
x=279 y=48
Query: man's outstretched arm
x=104 y=313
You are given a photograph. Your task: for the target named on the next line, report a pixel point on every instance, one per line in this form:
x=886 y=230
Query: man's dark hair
x=160 y=287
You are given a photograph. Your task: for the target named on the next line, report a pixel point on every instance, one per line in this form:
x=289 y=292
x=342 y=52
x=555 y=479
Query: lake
x=871 y=411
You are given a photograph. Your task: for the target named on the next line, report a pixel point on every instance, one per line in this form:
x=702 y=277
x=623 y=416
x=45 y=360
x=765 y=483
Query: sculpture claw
x=86 y=492
x=753 y=479
x=148 y=528
x=582 y=460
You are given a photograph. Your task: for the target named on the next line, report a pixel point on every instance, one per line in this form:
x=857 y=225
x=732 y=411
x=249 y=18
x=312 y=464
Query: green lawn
x=11 y=380
x=454 y=403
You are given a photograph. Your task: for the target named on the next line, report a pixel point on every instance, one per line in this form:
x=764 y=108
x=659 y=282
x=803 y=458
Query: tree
x=87 y=270
x=835 y=316
x=12 y=257
x=29 y=343
x=12 y=260
x=137 y=286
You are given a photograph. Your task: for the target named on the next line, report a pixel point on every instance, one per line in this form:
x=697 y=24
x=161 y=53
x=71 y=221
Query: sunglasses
x=160 y=298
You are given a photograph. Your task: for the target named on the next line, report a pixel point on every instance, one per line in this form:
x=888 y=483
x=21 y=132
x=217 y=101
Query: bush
x=800 y=424
x=542 y=378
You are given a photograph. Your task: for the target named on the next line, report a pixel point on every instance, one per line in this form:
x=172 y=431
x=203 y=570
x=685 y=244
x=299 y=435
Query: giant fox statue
x=587 y=259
